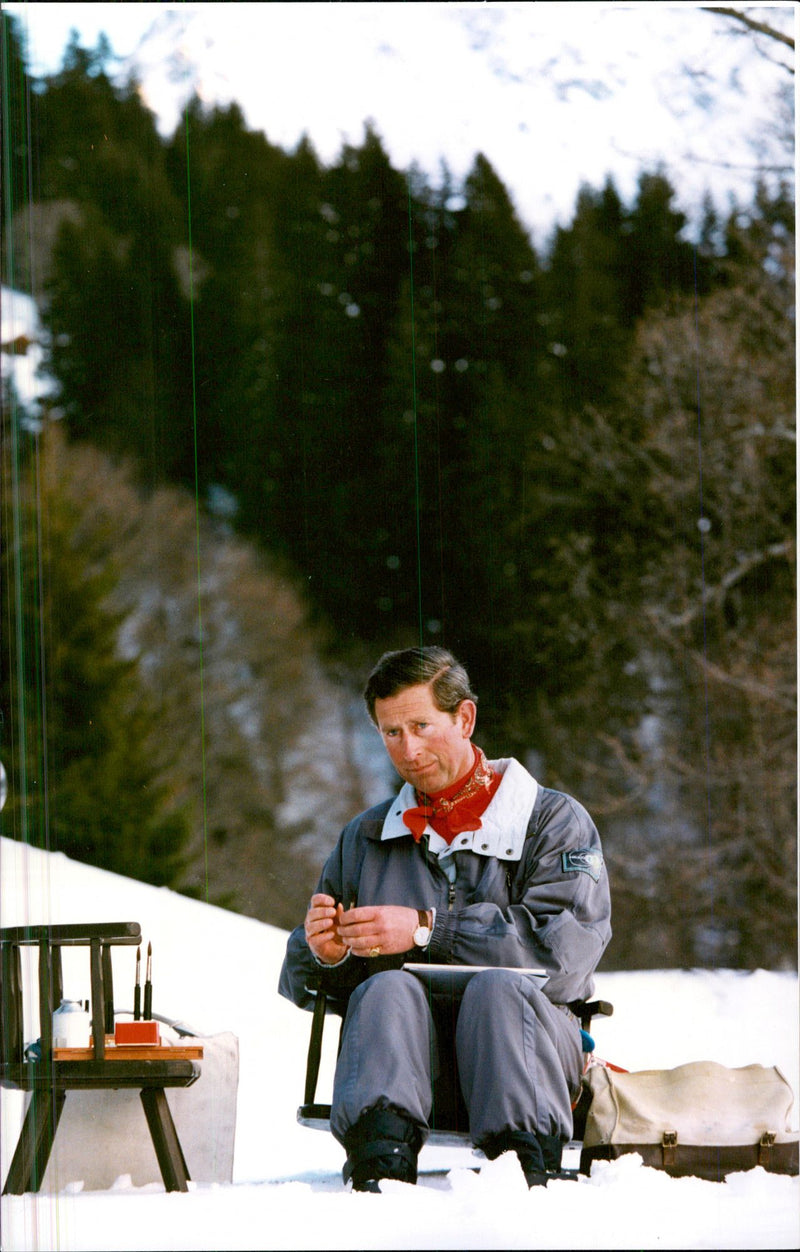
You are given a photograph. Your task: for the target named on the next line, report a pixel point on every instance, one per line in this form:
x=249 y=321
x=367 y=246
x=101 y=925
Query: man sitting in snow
x=472 y=863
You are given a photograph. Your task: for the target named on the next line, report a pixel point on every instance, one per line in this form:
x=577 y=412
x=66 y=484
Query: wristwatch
x=422 y=935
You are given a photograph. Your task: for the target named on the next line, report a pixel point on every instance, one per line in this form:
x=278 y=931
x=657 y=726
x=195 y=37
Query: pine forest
x=309 y=412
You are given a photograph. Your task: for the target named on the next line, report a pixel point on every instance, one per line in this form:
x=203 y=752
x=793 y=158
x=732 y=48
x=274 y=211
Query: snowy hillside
x=218 y=971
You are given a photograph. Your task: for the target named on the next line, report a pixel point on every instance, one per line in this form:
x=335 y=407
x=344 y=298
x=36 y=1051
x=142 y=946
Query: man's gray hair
x=412 y=667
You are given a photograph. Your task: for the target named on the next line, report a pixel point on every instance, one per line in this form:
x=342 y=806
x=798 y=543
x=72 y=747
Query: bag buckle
x=669 y=1142
x=764 y=1148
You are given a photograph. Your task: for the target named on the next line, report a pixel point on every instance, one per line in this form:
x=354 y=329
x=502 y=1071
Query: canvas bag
x=699 y=1119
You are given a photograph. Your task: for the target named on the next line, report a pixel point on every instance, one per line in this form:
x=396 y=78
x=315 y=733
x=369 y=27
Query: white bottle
x=72 y=1025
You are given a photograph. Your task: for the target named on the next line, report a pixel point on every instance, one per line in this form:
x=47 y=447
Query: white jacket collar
x=504 y=824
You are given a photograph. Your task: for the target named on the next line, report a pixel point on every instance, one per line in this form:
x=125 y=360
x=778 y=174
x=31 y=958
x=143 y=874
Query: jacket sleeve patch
x=583 y=860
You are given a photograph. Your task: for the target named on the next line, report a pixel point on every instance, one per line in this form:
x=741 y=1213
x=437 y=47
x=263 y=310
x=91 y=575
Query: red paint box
x=136 y=1032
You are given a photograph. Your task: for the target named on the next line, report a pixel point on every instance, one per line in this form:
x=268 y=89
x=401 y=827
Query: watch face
x=421 y=936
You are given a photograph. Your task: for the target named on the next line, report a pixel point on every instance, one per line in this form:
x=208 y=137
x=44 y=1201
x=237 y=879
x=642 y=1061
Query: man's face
x=428 y=748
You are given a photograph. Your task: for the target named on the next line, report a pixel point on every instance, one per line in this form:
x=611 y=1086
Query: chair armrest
x=320 y=983
x=585 y=1010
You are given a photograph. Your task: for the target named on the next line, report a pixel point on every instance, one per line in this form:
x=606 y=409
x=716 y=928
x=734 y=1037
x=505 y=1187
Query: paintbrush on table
x=137 y=987
x=148 y=984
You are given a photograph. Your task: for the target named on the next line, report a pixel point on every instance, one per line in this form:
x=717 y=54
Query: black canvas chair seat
x=316 y=1115
x=48 y=1080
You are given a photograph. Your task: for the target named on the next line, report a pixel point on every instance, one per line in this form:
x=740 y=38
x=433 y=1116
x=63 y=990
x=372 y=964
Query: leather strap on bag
x=765 y=1148
x=669 y=1142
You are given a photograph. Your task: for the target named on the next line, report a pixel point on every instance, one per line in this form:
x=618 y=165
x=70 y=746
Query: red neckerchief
x=459 y=807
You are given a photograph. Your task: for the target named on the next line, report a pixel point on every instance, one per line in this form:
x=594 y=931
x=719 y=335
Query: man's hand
x=322 y=929
x=378 y=929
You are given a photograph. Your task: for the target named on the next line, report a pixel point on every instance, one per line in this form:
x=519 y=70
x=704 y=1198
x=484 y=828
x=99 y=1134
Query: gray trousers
x=516 y=1058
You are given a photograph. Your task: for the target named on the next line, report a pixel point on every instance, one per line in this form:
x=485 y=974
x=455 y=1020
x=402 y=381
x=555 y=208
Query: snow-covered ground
x=218 y=971
x=22 y=351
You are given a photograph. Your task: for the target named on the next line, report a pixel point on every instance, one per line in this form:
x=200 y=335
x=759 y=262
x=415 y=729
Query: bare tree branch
x=751 y=561
x=747 y=685
x=760 y=431
x=761 y=28
x=717 y=593
x=749 y=166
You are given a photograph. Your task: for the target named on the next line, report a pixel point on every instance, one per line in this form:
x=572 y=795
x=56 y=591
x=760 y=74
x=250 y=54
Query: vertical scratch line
x=416 y=418
x=197 y=512
x=706 y=698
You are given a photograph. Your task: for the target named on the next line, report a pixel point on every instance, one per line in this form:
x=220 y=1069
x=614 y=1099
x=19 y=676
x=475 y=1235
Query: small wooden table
x=104 y=1065
x=133 y=1052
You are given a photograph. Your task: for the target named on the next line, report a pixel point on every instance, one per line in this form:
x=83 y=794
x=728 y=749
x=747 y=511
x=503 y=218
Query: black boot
x=539 y=1155
x=384 y=1143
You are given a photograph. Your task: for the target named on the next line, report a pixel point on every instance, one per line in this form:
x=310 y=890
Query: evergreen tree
x=16 y=125
x=81 y=781
x=479 y=407
x=604 y=271
x=659 y=261
x=344 y=252
x=587 y=324
x=454 y=418
x=227 y=177
x=99 y=215
x=120 y=344
x=97 y=143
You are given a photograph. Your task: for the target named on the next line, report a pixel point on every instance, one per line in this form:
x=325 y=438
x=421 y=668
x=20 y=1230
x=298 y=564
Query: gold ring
x=375 y=951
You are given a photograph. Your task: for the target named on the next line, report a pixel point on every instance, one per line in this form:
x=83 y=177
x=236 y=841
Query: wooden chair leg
x=165 y=1139
x=35 y=1142
x=315 y=1048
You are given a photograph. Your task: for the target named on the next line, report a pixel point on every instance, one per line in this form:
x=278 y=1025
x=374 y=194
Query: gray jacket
x=527 y=889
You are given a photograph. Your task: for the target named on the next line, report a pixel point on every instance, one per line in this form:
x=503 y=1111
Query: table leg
x=35 y=1142
x=165 y=1139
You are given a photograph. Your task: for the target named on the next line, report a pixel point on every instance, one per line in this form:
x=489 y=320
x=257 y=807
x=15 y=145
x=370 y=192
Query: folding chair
x=317 y=1116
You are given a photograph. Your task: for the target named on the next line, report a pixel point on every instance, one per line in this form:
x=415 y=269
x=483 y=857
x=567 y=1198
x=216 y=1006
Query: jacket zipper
x=451 y=896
